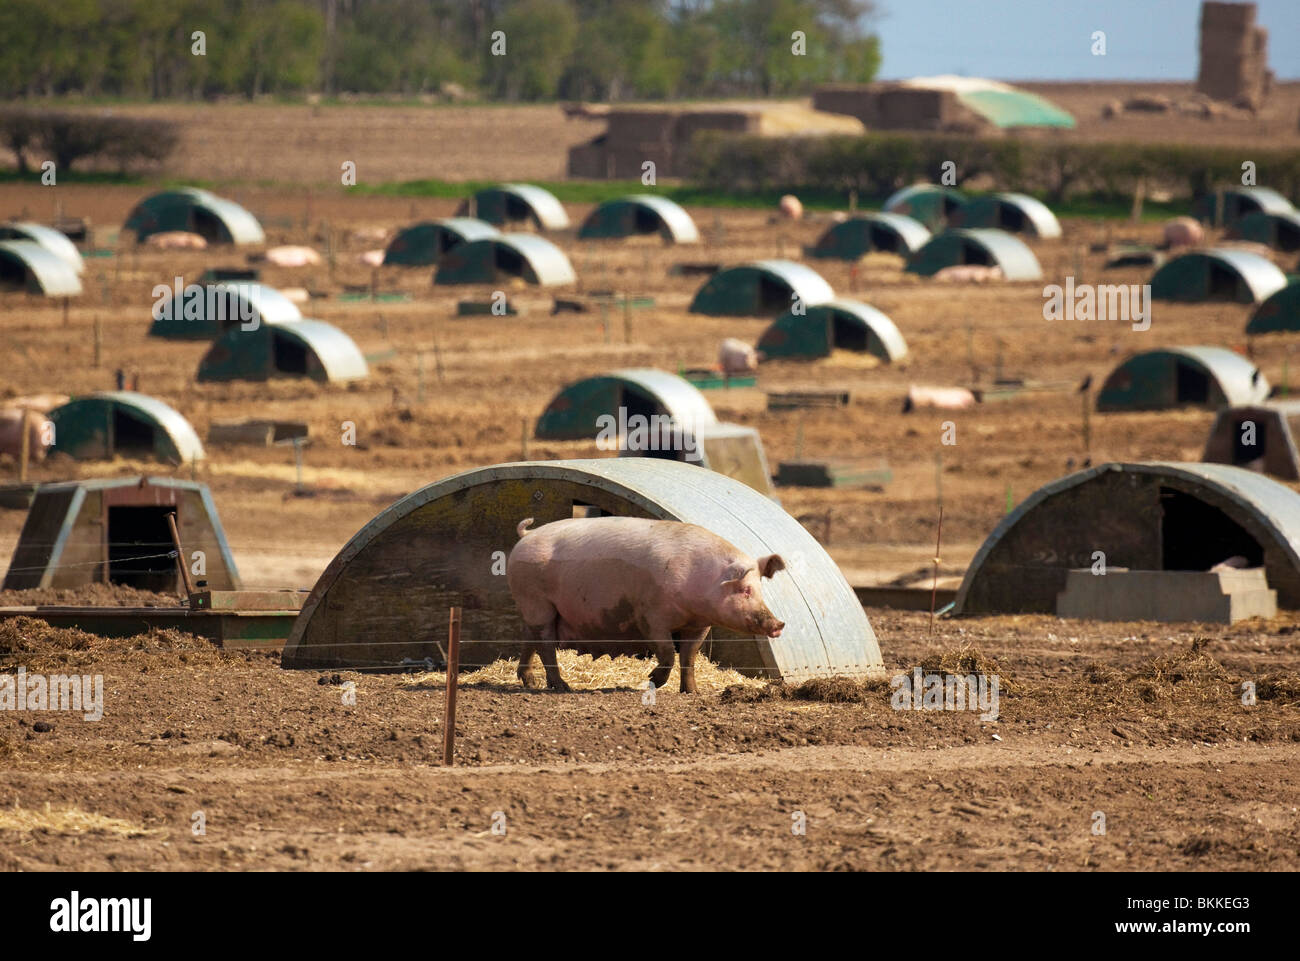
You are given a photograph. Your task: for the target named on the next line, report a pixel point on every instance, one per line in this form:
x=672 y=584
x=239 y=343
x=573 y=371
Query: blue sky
x=1049 y=39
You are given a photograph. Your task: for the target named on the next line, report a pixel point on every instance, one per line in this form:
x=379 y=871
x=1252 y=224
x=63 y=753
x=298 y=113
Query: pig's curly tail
x=522 y=527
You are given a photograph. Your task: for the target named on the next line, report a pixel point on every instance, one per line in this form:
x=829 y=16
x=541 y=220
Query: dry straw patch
x=68 y=820
x=583 y=672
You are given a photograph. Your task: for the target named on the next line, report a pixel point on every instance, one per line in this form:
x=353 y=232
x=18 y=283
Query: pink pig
x=621 y=579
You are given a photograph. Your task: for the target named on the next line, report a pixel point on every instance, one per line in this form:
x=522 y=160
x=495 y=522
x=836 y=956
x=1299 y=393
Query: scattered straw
x=70 y=820
x=583 y=672
x=970 y=660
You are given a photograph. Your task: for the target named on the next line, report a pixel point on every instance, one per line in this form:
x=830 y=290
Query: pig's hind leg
x=541 y=630
x=689 y=646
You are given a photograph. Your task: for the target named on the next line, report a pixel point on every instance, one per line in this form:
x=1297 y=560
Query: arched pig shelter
x=385 y=597
x=1146 y=516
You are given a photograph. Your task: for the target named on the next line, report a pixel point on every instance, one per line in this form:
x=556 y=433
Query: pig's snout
x=775 y=629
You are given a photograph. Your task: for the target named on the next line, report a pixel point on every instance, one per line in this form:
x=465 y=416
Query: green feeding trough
x=640 y=215
x=1217 y=274
x=928 y=204
x=834 y=325
x=869 y=233
x=761 y=288
x=425 y=243
x=217 y=220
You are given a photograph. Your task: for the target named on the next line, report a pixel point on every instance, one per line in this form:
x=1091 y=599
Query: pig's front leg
x=690 y=646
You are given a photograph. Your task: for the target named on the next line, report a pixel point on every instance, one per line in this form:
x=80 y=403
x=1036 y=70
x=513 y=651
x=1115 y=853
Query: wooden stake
x=419 y=377
x=1087 y=422
x=627 y=318
x=523 y=439
x=180 y=555
x=99 y=340
x=938 y=478
x=24 y=450
x=453 y=672
x=934 y=585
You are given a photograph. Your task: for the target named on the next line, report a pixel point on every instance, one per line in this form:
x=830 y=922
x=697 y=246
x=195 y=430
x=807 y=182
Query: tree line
x=509 y=50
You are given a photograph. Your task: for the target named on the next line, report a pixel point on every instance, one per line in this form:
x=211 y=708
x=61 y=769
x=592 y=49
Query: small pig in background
x=737 y=357
x=595 y=584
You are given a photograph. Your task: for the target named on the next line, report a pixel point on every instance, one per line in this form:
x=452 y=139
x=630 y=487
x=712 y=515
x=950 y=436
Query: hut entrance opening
x=1193 y=385
x=646 y=221
x=290 y=355
x=509 y=260
x=1194 y=536
x=1222 y=284
x=1247 y=454
x=207 y=226
x=130 y=434
x=886 y=240
x=773 y=296
x=13 y=275
x=976 y=255
x=655 y=430
x=139 y=542
x=847 y=335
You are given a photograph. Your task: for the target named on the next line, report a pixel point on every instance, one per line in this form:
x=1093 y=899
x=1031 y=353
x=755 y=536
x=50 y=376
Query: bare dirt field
x=1125 y=719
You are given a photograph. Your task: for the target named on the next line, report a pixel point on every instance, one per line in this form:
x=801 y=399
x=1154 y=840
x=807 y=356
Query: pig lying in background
x=737 y=357
x=11 y=433
x=612 y=579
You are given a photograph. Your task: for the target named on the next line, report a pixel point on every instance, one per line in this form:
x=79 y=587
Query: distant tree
x=540 y=36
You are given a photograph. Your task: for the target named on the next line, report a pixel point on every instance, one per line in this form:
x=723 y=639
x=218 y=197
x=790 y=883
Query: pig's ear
x=769 y=565
x=734 y=585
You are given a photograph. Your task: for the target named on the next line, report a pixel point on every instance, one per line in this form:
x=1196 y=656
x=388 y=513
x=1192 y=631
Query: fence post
x=453 y=672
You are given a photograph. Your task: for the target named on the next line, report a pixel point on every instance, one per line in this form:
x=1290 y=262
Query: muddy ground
x=287 y=776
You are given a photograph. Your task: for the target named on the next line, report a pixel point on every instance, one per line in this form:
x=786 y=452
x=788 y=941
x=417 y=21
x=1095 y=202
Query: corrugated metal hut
x=114 y=531
x=510 y=204
x=217 y=220
x=1208 y=377
x=204 y=312
x=761 y=288
x=295 y=348
x=852 y=238
x=575 y=412
x=835 y=325
x=730 y=449
x=1281 y=311
x=423 y=244
x=1261 y=438
x=1141 y=516
x=123 y=423
x=928 y=204
x=1238 y=202
x=1281 y=231
x=1016 y=213
x=528 y=257
x=638 y=215
x=1217 y=274
x=384 y=597
x=55 y=241
x=26 y=265
x=984 y=247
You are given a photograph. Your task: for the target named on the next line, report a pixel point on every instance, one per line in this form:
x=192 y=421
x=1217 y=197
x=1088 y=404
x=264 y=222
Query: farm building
x=512 y=204
x=1281 y=311
x=1279 y=230
x=1143 y=517
x=1209 y=377
x=215 y=219
x=1217 y=274
x=639 y=215
x=944 y=103
x=762 y=287
x=575 y=412
x=1260 y=438
x=123 y=423
x=930 y=205
x=204 y=312
x=26 y=265
x=115 y=531
x=1015 y=213
x=55 y=241
x=834 y=325
x=985 y=247
x=528 y=257
x=423 y=244
x=294 y=348
x=384 y=597
x=851 y=239
x=1238 y=202
x=662 y=136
